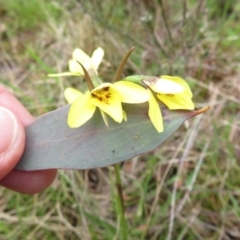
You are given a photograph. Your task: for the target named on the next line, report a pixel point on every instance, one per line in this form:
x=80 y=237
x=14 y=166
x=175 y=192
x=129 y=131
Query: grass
x=186 y=189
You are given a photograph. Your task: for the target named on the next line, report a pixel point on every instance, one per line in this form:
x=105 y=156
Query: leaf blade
x=51 y=144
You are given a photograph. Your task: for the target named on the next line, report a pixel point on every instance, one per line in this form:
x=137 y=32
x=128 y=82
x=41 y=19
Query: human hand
x=13 y=118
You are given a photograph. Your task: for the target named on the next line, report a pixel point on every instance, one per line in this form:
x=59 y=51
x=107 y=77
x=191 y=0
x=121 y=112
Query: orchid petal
x=97 y=57
x=131 y=92
x=164 y=86
x=101 y=86
x=72 y=94
x=75 y=67
x=80 y=111
x=154 y=113
x=80 y=56
x=104 y=116
x=63 y=74
x=124 y=116
x=113 y=108
x=178 y=101
x=181 y=82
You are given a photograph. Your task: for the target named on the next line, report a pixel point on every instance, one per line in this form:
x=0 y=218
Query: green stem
x=120 y=203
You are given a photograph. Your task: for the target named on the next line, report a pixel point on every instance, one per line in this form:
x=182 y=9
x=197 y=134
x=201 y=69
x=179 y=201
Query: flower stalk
x=120 y=203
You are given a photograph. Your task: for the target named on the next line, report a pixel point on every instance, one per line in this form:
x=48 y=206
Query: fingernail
x=8 y=129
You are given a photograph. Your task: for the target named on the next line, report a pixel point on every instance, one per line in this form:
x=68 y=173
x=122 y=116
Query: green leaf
x=51 y=144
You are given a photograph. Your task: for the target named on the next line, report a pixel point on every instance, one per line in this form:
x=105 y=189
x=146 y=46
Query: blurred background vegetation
x=186 y=189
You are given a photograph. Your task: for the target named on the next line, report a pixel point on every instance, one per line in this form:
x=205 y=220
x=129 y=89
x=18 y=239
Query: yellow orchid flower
x=91 y=64
x=107 y=97
x=72 y=95
x=174 y=92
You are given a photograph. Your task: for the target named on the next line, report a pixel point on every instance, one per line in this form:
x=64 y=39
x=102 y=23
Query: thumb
x=12 y=141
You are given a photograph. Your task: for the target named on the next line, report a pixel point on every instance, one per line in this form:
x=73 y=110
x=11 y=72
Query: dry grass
x=186 y=189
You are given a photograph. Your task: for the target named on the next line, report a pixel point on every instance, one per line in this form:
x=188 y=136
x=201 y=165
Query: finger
x=12 y=180
x=8 y=101
x=29 y=182
x=12 y=141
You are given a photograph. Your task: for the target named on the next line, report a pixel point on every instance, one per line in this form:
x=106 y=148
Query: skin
x=20 y=181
